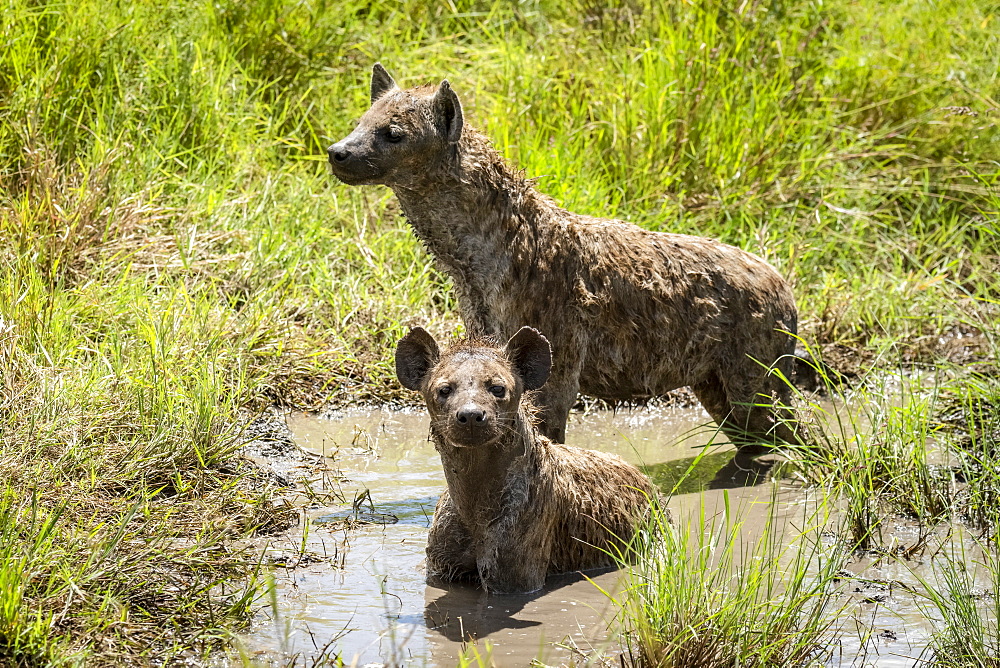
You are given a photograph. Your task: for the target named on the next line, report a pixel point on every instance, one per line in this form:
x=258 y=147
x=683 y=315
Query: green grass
x=883 y=451
x=963 y=601
x=914 y=443
x=704 y=593
x=174 y=256
x=975 y=432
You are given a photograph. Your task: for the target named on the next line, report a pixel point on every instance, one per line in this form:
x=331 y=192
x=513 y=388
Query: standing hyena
x=630 y=313
x=518 y=507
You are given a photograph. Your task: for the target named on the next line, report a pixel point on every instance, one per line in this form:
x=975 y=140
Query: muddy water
x=352 y=583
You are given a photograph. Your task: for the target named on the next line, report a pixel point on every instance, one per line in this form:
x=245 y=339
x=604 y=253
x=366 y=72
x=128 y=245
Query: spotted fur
x=631 y=314
x=518 y=506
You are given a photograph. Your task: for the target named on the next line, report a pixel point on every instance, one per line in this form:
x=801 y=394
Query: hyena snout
x=339 y=152
x=351 y=162
x=471 y=421
x=471 y=416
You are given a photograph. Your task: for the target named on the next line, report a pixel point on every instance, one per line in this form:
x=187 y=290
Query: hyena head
x=404 y=134
x=473 y=389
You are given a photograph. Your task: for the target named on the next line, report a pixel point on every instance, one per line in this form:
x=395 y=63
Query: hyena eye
x=444 y=391
x=498 y=391
x=395 y=134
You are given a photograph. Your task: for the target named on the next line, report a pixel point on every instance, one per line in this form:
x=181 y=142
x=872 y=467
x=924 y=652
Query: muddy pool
x=350 y=580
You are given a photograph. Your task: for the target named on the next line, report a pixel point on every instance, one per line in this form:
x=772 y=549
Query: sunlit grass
x=961 y=595
x=174 y=256
x=882 y=451
x=721 y=589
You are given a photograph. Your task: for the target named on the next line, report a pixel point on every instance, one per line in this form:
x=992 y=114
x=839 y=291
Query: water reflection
x=712 y=470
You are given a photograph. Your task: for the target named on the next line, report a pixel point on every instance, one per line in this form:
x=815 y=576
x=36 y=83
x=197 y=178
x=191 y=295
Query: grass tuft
x=964 y=608
x=704 y=594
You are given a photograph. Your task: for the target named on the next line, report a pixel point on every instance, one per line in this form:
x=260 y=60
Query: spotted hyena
x=631 y=314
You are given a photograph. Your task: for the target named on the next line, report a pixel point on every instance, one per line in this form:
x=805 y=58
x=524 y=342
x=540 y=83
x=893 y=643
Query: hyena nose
x=338 y=153
x=471 y=415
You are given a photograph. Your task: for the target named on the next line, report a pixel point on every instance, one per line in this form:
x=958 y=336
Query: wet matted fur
x=631 y=314
x=518 y=506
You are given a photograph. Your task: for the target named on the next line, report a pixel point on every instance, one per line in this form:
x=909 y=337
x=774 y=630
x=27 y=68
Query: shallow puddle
x=365 y=588
x=353 y=584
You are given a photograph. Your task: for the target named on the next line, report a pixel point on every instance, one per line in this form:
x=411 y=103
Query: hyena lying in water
x=630 y=313
x=518 y=507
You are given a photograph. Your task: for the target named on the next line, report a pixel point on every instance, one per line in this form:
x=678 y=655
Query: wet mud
x=350 y=582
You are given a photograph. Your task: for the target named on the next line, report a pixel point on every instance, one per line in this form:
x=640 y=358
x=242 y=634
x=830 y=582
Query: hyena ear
x=531 y=356
x=448 y=112
x=416 y=353
x=382 y=83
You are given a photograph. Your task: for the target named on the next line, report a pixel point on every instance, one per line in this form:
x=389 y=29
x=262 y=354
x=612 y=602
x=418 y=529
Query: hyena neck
x=478 y=478
x=480 y=219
